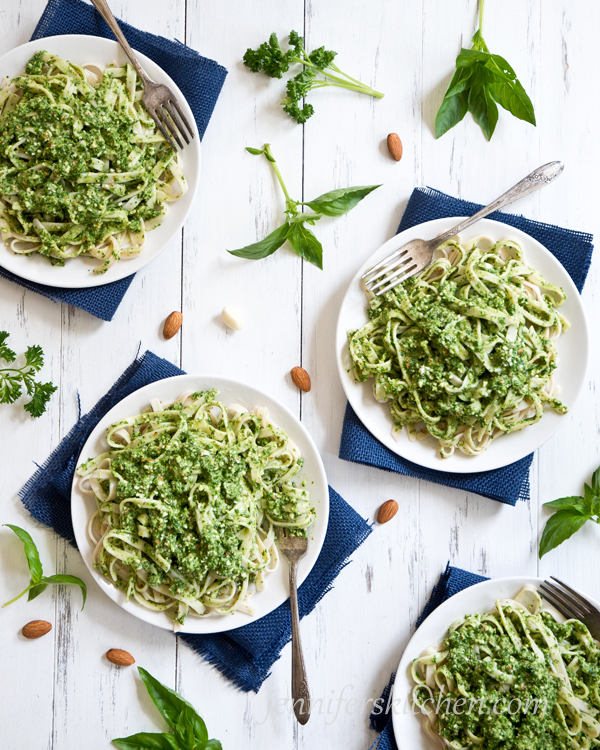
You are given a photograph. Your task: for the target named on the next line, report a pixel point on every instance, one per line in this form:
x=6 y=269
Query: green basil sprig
x=189 y=730
x=39 y=582
x=481 y=81
x=294 y=230
x=571 y=514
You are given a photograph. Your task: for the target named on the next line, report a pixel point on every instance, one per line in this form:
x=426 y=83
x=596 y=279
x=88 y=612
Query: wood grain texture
x=60 y=690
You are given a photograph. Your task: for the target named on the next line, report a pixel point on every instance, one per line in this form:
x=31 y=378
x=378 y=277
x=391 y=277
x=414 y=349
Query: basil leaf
x=265 y=247
x=576 y=503
x=148 y=740
x=306 y=245
x=559 y=528
x=512 y=96
x=185 y=729
x=482 y=106
x=468 y=57
x=498 y=63
x=213 y=745
x=31 y=553
x=451 y=112
x=589 y=497
x=171 y=704
x=255 y=151
x=61 y=578
x=460 y=82
x=339 y=202
x=36 y=591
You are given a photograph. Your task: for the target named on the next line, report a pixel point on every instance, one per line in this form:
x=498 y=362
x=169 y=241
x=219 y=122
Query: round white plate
x=572 y=349
x=78 y=272
x=276 y=590
x=408 y=729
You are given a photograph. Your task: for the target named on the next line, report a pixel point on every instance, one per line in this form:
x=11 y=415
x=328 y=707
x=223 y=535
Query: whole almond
x=301 y=378
x=387 y=511
x=119 y=657
x=395 y=146
x=172 y=324
x=36 y=629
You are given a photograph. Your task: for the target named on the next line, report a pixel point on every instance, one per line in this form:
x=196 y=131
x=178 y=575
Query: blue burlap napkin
x=244 y=655
x=200 y=80
x=510 y=483
x=451 y=582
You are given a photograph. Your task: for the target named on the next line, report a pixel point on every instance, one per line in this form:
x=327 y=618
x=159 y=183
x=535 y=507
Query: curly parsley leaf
x=318 y=71
x=12 y=379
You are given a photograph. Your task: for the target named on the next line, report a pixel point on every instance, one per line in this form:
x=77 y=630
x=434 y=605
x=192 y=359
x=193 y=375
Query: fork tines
x=171 y=122
x=389 y=272
x=566 y=600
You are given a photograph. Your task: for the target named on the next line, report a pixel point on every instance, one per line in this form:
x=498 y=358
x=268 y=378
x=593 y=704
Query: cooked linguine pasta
x=83 y=168
x=464 y=351
x=189 y=497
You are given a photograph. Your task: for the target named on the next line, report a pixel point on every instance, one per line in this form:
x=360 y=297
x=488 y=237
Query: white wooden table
x=59 y=692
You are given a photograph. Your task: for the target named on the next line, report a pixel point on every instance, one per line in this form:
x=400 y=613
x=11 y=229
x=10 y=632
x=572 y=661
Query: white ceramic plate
x=572 y=349
x=408 y=729
x=78 y=272
x=276 y=590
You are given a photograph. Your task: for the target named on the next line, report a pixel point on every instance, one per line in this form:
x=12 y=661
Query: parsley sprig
x=481 y=81
x=571 y=514
x=294 y=229
x=13 y=379
x=319 y=71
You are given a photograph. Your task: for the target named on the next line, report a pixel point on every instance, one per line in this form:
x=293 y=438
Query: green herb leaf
x=255 y=151
x=306 y=245
x=576 y=503
x=213 y=745
x=482 y=106
x=41 y=393
x=36 y=591
x=31 y=553
x=468 y=57
x=185 y=729
x=170 y=704
x=6 y=353
x=62 y=578
x=560 y=527
x=589 y=497
x=148 y=740
x=266 y=247
x=34 y=357
x=512 y=96
x=339 y=202
x=596 y=481
x=451 y=112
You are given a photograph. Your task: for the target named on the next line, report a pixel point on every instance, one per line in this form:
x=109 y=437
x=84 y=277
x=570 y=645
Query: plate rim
x=430 y=460
x=158 y=619
x=141 y=262
x=438 y=613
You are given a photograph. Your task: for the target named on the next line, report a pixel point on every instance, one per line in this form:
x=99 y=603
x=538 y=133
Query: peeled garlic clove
x=232 y=318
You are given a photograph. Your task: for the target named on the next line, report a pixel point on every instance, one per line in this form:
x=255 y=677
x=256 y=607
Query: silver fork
x=293 y=548
x=572 y=605
x=159 y=100
x=416 y=255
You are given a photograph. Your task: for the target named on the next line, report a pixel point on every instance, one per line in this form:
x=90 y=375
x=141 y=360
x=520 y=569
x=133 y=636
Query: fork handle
x=538 y=178
x=300 y=692
x=107 y=14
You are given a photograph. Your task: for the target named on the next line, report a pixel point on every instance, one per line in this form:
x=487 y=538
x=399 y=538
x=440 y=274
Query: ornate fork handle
x=300 y=692
x=534 y=181
x=107 y=14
